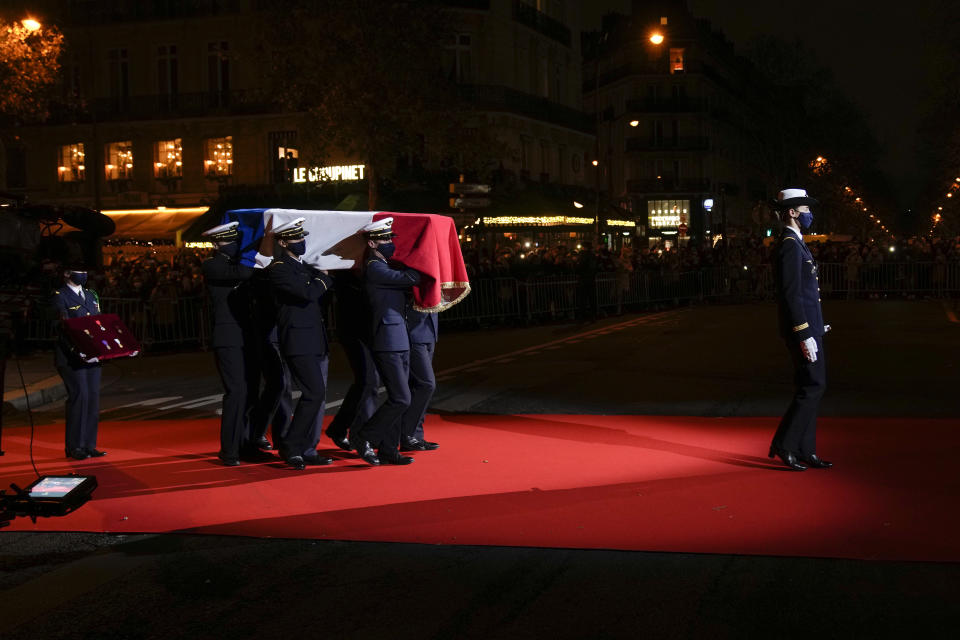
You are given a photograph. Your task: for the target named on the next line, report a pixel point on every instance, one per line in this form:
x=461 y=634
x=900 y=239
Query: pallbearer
x=81 y=374
x=802 y=328
x=232 y=338
x=298 y=289
x=388 y=287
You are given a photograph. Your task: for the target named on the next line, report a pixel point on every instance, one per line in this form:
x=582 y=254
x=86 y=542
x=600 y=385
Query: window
x=168 y=159
x=168 y=80
x=284 y=155
x=667 y=213
x=119 y=161
x=118 y=75
x=458 y=59
x=218 y=72
x=676 y=60
x=218 y=157
x=71 y=166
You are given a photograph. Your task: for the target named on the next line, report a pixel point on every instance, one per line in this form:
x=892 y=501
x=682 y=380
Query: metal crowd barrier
x=185 y=322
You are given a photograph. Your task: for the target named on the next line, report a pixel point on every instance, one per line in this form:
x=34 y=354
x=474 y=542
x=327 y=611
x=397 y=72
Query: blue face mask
x=805 y=219
x=230 y=249
x=386 y=249
x=78 y=278
x=297 y=248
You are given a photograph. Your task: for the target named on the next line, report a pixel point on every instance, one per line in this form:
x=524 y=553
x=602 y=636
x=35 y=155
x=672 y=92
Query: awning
x=161 y=223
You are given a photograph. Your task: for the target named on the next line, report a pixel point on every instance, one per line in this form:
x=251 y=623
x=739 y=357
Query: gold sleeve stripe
x=801 y=327
x=789 y=238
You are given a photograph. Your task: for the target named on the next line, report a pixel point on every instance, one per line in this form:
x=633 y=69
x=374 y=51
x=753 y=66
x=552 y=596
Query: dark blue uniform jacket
x=388 y=292
x=798 y=289
x=226 y=281
x=70 y=305
x=422 y=327
x=298 y=289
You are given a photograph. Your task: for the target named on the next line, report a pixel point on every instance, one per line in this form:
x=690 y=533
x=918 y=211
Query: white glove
x=134 y=354
x=92 y=360
x=809 y=349
x=826 y=328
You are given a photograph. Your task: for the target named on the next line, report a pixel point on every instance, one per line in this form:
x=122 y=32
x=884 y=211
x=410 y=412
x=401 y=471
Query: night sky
x=877 y=51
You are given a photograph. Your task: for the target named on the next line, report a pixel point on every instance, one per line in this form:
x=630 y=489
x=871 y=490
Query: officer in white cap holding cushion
x=298 y=289
x=225 y=277
x=388 y=287
x=801 y=326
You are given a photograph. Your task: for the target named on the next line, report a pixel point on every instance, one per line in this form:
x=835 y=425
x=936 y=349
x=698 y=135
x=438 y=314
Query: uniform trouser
x=310 y=374
x=83 y=405
x=422 y=385
x=382 y=430
x=361 y=400
x=797 y=433
x=233 y=365
x=275 y=404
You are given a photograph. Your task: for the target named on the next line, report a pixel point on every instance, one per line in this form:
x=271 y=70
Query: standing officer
x=226 y=281
x=353 y=333
x=423 y=330
x=298 y=289
x=81 y=374
x=802 y=328
x=388 y=291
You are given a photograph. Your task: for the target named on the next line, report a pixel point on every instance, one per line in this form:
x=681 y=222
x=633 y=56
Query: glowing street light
x=577 y=205
x=594 y=163
x=30 y=24
x=656 y=37
x=634 y=123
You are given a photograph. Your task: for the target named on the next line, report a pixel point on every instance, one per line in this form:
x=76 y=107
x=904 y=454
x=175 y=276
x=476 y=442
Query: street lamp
x=656 y=37
x=30 y=24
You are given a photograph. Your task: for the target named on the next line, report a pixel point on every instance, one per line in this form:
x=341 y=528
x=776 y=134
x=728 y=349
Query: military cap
x=223 y=232
x=791 y=199
x=292 y=230
x=379 y=229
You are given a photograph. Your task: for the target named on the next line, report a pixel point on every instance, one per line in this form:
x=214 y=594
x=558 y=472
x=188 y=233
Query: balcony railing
x=497 y=98
x=529 y=16
x=668 y=185
x=180 y=105
x=693 y=143
x=479 y=5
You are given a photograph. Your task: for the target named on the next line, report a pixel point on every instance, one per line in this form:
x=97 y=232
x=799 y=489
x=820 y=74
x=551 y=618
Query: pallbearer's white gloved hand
x=826 y=328
x=809 y=349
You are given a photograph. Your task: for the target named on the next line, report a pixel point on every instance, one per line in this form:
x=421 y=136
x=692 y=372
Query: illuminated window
x=71 y=166
x=667 y=213
x=676 y=60
x=168 y=158
x=119 y=161
x=218 y=157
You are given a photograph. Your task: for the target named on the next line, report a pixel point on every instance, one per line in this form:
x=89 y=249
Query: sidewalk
x=43 y=384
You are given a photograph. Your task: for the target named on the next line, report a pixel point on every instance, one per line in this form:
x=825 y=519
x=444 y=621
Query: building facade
x=674 y=106
x=164 y=104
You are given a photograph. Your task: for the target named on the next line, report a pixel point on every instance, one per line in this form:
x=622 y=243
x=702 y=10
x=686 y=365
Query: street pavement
x=885 y=358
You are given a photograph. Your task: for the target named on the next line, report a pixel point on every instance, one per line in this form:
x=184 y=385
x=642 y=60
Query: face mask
x=230 y=249
x=78 y=278
x=297 y=248
x=805 y=219
x=386 y=250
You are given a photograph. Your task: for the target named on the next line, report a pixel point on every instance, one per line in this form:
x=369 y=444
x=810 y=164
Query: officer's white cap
x=226 y=231
x=378 y=229
x=790 y=198
x=291 y=230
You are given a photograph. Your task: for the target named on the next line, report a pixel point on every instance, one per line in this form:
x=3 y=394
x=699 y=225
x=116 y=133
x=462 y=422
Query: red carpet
x=614 y=482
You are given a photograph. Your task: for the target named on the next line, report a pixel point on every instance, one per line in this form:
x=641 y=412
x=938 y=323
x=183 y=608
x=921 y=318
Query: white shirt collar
x=799 y=234
x=75 y=288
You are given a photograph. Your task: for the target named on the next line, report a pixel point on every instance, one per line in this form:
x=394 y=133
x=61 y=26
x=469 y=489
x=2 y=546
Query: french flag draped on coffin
x=425 y=242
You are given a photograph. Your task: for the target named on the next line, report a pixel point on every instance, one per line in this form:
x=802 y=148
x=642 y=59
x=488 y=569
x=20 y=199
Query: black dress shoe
x=229 y=461
x=340 y=440
x=317 y=460
x=817 y=462
x=95 y=453
x=788 y=458
x=264 y=444
x=365 y=451
x=77 y=454
x=409 y=443
x=297 y=462
x=393 y=457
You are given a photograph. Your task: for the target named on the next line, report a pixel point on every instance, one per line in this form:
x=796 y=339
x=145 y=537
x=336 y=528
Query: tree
x=29 y=67
x=367 y=74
